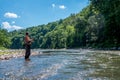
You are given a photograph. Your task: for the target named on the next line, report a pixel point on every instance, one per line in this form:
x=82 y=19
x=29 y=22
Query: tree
x=95 y=30
x=79 y=38
x=4 y=38
x=111 y=10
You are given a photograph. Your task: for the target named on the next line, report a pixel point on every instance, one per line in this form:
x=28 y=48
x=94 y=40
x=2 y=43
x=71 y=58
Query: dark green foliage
x=111 y=11
x=4 y=39
x=80 y=33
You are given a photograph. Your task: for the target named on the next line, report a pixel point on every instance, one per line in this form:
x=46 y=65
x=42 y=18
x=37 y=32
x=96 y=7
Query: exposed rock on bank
x=7 y=54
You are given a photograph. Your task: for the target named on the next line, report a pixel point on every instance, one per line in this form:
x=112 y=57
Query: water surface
x=67 y=64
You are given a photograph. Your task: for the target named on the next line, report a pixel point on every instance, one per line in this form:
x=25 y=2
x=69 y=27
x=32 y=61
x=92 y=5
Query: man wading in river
x=28 y=42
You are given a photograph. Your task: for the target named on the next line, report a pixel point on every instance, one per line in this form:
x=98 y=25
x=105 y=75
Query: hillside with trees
x=95 y=26
x=78 y=30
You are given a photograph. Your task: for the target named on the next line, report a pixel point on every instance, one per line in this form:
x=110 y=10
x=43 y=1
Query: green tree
x=95 y=30
x=80 y=34
x=111 y=10
x=4 y=38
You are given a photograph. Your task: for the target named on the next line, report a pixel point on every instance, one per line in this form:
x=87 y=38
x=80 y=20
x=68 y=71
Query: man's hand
x=31 y=40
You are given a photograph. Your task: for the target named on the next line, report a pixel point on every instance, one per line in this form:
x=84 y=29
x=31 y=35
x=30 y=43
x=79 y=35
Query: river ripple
x=66 y=64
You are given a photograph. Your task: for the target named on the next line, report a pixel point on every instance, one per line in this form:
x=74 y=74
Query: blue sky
x=20 y=14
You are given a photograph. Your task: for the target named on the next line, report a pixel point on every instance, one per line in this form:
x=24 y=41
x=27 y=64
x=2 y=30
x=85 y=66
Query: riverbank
x=7 y=54
x=15 y=53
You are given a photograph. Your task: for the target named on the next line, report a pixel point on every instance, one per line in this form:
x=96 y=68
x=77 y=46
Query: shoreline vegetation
x=16 y=53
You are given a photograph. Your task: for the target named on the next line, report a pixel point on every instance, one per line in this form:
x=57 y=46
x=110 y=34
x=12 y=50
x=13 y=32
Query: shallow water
x=68 y=64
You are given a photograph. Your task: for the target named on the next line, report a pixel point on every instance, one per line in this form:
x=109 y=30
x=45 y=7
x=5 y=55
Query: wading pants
x=27 y=53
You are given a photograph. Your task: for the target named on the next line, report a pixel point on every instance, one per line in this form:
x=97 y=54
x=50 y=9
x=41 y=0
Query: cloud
x=62 y=7
x=7 y=26
x=10 y=15
x=58 y=6
x=53 y=5
x=13 y=22
x=16 y=27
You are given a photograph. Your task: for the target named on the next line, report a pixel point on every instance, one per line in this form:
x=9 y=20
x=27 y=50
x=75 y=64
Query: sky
x=21 y=14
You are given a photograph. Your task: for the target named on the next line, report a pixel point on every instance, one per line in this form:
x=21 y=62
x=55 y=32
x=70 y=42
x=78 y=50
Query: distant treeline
x=96 y=26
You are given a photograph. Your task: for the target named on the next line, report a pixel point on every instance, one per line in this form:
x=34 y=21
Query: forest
x=96 y=26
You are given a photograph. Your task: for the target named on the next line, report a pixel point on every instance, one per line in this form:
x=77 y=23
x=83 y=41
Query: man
x=27 y=41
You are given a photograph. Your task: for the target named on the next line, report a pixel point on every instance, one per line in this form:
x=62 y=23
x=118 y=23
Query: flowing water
x=69 y=64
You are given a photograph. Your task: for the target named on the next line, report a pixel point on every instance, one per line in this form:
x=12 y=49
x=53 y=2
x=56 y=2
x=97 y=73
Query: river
x=64 y=64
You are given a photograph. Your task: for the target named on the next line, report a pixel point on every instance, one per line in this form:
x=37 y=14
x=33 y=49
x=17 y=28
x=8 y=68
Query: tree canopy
x=4 y=39
x=110 y=9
